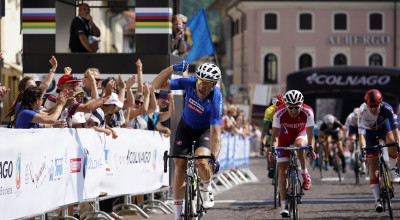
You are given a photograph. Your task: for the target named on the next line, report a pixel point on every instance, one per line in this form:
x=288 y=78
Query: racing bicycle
x=385 y=182
x=193 y=208
x=295 y=189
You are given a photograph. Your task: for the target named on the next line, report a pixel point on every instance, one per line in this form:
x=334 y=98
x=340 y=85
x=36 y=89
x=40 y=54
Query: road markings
x=331 y=179
x=320 y=200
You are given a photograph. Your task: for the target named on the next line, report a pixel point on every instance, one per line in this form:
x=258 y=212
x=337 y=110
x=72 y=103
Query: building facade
x=271 y=39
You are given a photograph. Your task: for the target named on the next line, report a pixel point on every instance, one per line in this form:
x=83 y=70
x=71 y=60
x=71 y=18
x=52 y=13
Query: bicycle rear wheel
x=276 y=189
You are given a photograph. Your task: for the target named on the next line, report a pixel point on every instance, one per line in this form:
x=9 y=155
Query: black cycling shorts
x=185 y=135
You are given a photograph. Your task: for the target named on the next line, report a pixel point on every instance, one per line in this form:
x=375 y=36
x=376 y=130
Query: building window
x=305 y=21
x=340 y=22
x=270 y=21
x=305 y=61
x=375 y=60
x=375 y=22
x=270 y=68
x=340 y=59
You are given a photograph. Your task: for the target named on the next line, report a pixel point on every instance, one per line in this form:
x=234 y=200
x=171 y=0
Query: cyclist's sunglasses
x=293 y=107
x=375 y=106
x=204 y=83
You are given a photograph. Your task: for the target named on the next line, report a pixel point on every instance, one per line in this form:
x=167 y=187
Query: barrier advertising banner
x=41 y=169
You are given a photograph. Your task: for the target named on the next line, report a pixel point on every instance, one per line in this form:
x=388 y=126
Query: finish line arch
x=346 y=84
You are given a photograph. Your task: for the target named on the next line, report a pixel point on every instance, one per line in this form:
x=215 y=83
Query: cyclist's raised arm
x=215 y=137
x=162 y=79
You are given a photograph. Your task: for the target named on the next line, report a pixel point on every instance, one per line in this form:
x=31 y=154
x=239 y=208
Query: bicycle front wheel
x=387 y=187
x=321 y=158
x=276 y=189
x=336 y=165
x=293 y=200
x=356 y=167
x=188 y=199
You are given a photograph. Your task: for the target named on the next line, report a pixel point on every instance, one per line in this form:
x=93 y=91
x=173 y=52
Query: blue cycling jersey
x=199 y=113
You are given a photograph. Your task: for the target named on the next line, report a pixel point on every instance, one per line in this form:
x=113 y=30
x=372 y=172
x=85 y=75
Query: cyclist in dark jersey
x=200 y=122
x=330 y=132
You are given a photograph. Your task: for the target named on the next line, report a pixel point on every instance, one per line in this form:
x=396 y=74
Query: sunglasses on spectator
x=293 y=107
x=204 y=83
x=375 y=106
x=138 y=102
x=79 y=96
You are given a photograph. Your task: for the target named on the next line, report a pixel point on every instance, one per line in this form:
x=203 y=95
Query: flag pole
x=216 y=59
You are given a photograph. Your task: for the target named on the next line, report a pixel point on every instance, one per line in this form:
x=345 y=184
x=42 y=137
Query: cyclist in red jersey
x=293 y=123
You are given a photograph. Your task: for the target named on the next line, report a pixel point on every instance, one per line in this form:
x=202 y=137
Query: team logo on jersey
x=179 y=143
x=206 y=138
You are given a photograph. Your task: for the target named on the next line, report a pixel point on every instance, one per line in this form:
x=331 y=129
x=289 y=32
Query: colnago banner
x=41 y=169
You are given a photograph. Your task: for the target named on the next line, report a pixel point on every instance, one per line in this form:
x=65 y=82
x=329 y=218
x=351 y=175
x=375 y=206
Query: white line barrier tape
x=44 y=168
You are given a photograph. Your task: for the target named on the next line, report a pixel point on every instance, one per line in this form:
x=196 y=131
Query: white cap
x=114 y=100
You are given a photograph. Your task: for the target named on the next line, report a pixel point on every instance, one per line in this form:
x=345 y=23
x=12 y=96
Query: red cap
x=67 y=78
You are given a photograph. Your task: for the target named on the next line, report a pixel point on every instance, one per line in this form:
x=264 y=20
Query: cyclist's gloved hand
x=363 y=155
x=215 y=166
x=311 y=153
x=181 y=66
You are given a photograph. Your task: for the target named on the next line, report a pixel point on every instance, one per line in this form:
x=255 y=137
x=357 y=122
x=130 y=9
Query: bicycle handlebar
x=293 y=148
x=382 y=146
x=186 y=157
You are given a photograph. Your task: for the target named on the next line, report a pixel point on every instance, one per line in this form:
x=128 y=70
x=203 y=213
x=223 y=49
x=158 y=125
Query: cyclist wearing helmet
x=329 y=132
x=351 y=132
x=277 y=100
x=200 y=122
x=293 y=122
x=377 y=120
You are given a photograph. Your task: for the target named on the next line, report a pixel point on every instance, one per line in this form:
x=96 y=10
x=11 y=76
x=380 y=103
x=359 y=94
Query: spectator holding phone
x=178 y=44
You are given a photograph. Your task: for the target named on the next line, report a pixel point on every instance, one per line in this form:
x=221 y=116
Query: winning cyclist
x=330 y=132
x=351 y=132
x=377 y=119
x=293 y=122
x=277 y=100
x=200 y=122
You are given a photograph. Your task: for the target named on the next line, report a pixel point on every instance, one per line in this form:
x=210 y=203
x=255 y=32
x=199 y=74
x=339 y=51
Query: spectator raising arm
x=46 y=83
x=3 y=91
x=94 y=104
x=130 y=99
x=171 y=109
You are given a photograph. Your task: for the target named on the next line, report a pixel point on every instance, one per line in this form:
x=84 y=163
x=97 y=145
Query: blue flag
x=199 y=43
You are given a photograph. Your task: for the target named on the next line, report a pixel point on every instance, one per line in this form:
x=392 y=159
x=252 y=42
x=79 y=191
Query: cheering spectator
x=178 y=44
x=28 y=81
x=28 y=115
x=3 y=91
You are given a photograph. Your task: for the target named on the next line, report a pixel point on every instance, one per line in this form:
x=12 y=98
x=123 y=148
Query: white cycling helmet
x=208 y=72
x=329 y=119
x=356 y=111
x=293 y=97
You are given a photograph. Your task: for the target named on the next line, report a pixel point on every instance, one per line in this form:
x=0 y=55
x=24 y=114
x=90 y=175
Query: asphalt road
x=327 y=199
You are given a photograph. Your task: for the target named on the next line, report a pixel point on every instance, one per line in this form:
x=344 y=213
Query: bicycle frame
x=193 y=201
x=295 y=190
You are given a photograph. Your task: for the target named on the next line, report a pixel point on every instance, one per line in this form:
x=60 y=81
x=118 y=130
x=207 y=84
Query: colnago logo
x=348 y=80
x=6 y=169
x=138 y=157
x=75 y=165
